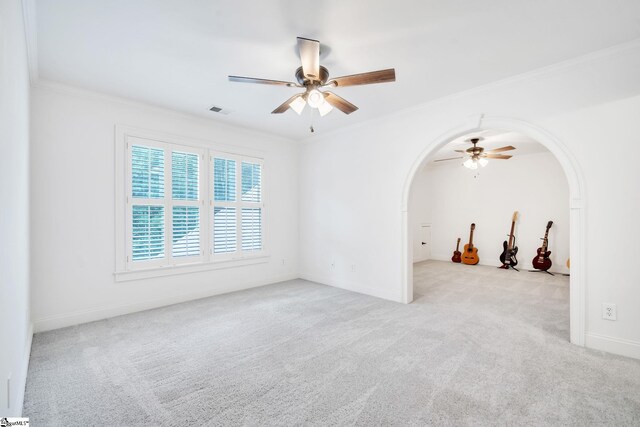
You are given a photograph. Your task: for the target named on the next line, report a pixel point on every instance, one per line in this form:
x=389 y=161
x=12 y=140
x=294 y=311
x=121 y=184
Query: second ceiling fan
x=478 y=156
x=312 y=77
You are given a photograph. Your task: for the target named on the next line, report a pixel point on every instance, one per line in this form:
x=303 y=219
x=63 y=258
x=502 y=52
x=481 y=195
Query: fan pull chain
x=311 y=129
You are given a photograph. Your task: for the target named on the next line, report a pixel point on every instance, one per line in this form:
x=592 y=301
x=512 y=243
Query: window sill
x=125 y=276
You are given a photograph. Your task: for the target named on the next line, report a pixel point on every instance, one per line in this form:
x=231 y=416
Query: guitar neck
x=511 y=235
x=545 y=241
x=458 y=246
x=471 y=239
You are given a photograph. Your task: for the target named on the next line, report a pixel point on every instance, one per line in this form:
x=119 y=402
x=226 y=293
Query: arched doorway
x=576 y=206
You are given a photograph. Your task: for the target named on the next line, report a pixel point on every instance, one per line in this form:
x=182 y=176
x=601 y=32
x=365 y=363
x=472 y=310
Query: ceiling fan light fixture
x=483 y=162
x=315 y=98
x=324 y=108
x=311 y=76
x=298 y=104
x=470 y=164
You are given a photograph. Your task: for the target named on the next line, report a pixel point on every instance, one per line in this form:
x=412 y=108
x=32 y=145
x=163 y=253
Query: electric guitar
x=470 y=254
x=542 y=261
x=457 y=254
x=508 y=255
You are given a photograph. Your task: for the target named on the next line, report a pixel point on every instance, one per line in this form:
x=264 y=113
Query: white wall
x=15 y=328
x=73 y=241
x=603 y=137
x=352 y=181
x=449 y=198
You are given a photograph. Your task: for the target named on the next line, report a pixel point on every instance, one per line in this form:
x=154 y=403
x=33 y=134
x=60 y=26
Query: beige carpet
x=479 y=346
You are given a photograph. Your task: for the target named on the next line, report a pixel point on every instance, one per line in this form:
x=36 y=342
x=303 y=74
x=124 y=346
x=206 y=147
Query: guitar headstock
x=473 y=226
x=549 y=224
x=458 y=240
x=515 y=216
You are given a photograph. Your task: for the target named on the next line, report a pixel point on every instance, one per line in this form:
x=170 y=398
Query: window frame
x=238 y=204
x=126 y=268
x=167 y=202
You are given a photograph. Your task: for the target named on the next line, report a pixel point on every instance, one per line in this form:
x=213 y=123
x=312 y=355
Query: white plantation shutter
x=224 y=230
x=251 y=182
x=148 y=232
x=224 y=180
x=164 y=229
x=237 y=204
x=184 y=174
x=251 y=217
x=147 y=171
x=181 y=210
x=251 y=229
x=185 y=190
x=186 y=231
x=224 y=210
x=147 y=215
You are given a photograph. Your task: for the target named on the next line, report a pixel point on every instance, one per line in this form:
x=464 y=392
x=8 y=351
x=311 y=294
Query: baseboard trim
x=350 y=286
x=613 y=345
x=98 y=313
x=24 y=369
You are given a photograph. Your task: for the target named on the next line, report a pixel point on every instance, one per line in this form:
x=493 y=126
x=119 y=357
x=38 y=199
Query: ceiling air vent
x=219 y=110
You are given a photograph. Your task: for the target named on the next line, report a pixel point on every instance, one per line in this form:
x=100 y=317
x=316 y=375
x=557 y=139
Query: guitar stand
x=542 y=271
x=506 y=267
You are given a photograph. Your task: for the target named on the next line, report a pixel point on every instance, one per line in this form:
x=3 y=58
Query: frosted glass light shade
x=471 y=164
x=483 y=162
x=297 y=105
x=315 y=98
x=324 y=108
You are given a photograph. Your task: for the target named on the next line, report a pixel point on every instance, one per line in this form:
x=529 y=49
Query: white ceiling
x=178 y=53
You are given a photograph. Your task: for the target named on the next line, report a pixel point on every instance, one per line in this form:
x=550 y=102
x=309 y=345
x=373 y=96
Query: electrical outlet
x=353 y=268
x=283 y=261
x=609 y=311
x=333 y=265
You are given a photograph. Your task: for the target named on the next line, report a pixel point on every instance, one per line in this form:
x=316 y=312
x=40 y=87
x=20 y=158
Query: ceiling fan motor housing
x=475 y=151
x=303 y=80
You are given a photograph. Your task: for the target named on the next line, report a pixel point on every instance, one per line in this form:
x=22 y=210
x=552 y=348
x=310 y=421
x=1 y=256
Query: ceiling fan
x=478 y=155
x=312 y=77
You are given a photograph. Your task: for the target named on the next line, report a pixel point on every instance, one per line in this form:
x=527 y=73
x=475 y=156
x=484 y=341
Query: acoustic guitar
x=457 y=254
x=508 y=255
x=470 y=253
x=541 y=261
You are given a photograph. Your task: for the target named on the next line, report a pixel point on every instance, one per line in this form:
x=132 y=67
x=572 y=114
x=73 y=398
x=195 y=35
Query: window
x=251 y=217
x=147 y=203
x=189 y=205
x=186 y=204
x=237 y=209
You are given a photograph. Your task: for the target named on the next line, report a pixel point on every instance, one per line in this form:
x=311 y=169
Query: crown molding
x=31 y=38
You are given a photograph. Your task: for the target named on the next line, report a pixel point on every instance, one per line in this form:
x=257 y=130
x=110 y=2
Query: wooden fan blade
x=501 y=149
x=381 y=76
x=340 y=103
x=450 y=158
x=310 y=57
x=497 y=156
x=285 y=105
x=240 y=79
x=460 y=151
